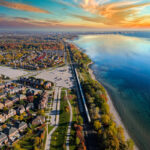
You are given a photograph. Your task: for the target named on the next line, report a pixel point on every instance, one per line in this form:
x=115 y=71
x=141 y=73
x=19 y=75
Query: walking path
x=54 y=116
x=70 y=123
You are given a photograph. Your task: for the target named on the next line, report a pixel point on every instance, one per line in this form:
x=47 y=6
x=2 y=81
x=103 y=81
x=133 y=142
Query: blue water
x=122 y=65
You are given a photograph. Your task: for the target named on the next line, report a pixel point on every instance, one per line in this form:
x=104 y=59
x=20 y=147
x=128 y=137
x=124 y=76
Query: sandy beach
x=113 y=111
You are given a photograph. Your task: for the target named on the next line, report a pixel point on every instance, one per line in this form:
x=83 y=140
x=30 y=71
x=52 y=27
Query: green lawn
x=59 y=136
x=50 y=128
x=76 y=114
x=44 y=142
x=27 y=142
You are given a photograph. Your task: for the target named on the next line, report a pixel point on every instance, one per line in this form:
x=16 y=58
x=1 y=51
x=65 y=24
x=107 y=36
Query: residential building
x=8 y=103
x=38 y=120
x=1 y=106
x=12 y=133
x=14 y=99
x=21 y=126
x=10 y=113
x=2 y=118
x=29 y=106
x=20 y=109
x=3 y=138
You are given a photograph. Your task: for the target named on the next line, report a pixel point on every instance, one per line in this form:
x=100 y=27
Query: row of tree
x=110 y=136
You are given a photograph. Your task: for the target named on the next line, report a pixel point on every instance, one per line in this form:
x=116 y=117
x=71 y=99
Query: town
x=37 y=84
x=48 y=99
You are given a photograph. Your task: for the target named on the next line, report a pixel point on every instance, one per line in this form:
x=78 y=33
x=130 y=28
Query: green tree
x=97 y=125
x=121 y=134
x=105 y=108
x=37 y=140
x=105 y=119
x=80 y=120
x=77 y=141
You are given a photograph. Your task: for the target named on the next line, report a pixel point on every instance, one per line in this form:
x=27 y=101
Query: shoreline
x=117 y=119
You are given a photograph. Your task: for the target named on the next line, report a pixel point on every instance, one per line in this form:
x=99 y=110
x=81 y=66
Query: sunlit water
x=122 y=65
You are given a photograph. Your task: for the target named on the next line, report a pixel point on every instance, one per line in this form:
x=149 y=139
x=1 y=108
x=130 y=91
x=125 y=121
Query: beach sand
x=113 y=111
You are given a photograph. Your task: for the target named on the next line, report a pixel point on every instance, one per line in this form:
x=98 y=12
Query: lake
x=122 y=65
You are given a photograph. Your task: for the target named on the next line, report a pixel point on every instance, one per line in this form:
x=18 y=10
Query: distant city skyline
x=75 y=14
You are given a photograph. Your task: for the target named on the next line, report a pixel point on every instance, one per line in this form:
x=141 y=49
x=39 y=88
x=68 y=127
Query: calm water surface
x=122 y=64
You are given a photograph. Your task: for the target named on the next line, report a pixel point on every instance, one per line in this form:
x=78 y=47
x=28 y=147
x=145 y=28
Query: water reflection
x=122 y=65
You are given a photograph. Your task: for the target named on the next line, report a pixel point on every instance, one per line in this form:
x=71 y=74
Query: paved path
x=70 y=123
x=54 y=116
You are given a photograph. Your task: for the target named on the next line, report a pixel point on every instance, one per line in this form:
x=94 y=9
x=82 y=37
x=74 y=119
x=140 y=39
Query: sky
x=75 y=14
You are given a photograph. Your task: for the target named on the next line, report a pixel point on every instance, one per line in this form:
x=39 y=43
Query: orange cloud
x=97 y=19
x=143 y=22
x=116 y=13
x=24 y=7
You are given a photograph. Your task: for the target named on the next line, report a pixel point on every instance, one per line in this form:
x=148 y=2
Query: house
x=8 y=84
x=13 y=90
x=38 y=120
x=8 y=103
x=2 y=86
x=32 y=91
x=12 y=133
x=3 y=138
x=22 y=97
x=10 y=113
x=36 y=91
x=2 y=95
x=1 y=106
x=14 y=99
x=21 y=87
x=2 y=118
x=44 y=100
x=21 y=126
x=20 y=109
x=29 y=106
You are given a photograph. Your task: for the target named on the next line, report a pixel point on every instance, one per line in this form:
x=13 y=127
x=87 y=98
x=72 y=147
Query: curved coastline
x=112 y=108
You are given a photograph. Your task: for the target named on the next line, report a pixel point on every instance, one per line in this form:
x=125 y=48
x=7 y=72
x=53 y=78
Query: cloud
x=140 y=22
x=24 y=7
x=101 y=13
x=21 y=22
x=65 y=3
x=115 y=13
x=97 y=19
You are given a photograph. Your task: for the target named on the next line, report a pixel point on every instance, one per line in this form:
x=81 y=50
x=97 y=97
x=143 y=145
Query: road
x=70 y=123
x=54 y=116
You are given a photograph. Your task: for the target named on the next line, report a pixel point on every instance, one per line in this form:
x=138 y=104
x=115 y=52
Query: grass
x=76 y=114
x=50 y=128
x=27 y=141
x=44 y=142
x=59 y=136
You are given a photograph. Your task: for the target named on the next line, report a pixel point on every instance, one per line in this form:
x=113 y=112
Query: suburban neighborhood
x=48 y=99
x=32 y=93
x=22 y=105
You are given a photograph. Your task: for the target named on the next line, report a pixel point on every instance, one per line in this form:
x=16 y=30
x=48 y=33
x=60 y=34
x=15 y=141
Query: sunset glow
x=90 y=14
